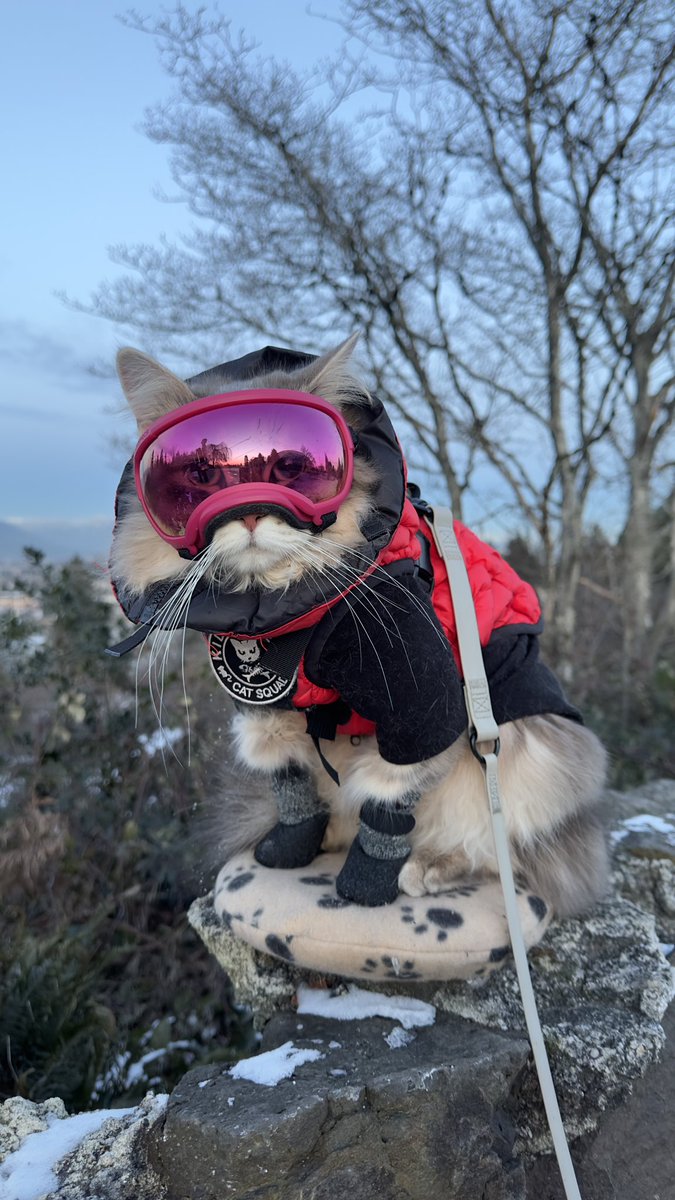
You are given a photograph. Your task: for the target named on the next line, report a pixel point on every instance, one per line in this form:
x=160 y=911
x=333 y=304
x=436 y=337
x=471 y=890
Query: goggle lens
x=291 y=445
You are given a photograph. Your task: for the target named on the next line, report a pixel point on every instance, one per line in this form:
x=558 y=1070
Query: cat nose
x=250 y=522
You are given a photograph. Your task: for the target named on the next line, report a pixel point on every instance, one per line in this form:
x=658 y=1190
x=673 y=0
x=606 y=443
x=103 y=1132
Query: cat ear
x=150 y=389
x=330 y=367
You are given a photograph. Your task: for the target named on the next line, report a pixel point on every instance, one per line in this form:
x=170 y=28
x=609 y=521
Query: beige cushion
x=297 y=916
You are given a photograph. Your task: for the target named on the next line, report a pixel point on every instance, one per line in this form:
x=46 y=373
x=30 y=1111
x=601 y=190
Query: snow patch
x=162 y=739
x=28 y=1173
x=136 y=1071
x=271 y=1067
x=357 y=1004
x=647 y=823
x=398 y=1038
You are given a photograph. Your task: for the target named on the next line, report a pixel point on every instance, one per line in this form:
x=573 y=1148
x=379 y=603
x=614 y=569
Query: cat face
x=257 y=550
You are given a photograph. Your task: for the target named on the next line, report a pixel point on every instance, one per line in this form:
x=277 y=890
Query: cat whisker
x=341 y=579
x=165 y=623
x=369 y=597
x=409 y=597
x=352 y=577
x=356 y=618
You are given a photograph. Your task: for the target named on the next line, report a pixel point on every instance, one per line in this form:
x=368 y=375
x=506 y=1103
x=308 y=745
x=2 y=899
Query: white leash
x=484 y=730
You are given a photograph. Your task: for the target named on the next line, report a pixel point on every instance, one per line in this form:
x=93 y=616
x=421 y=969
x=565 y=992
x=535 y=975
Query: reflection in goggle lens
x=294 y=446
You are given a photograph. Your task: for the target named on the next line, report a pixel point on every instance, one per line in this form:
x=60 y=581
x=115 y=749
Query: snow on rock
x=19 y=1118
x=356 y=1003
x=647 y=823
x=271 y=1067
x=398 y=1038
x=28 y=1173
x=44 y=1152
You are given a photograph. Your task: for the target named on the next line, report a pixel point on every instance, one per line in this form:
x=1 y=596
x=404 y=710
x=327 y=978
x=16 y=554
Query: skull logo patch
x=238 y=668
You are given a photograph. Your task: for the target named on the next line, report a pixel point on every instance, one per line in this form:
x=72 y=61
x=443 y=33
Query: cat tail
x=242 y=816
x=564 y=859
x=568 y=866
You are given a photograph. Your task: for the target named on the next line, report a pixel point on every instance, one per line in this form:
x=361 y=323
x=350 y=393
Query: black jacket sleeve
x=385 y=652
x=520 y=684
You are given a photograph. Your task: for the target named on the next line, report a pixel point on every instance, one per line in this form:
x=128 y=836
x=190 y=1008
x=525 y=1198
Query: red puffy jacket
x=501 y=598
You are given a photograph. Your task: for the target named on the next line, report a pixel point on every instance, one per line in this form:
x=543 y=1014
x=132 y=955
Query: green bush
x=100 y=857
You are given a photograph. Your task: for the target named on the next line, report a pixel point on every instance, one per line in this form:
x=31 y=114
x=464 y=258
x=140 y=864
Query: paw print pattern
x=425 y=934
x=538 y=906
x=395 y=969
x=330 y=901
x=408 y=918
x=280 y=947
x=444 y=919
x=369 y=966
x=241 y=878
x=499 y=953
x=463 y=889
x=240 y=881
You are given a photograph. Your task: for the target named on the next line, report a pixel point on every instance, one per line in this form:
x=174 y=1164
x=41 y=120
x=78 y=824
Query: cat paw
x=426 y=876
x=340 y=833
x=411 y=877
x=288 y=846
x=368 y=881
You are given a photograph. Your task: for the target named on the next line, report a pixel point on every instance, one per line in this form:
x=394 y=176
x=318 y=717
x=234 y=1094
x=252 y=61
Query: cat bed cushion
x=297 y=916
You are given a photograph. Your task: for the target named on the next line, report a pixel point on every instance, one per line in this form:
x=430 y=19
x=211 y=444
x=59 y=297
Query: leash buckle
x=473 y=742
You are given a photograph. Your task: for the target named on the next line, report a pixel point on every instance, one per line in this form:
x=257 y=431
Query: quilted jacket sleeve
x=389 y=659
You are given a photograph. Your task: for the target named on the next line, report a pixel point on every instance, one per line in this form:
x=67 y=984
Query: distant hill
x=58 y=542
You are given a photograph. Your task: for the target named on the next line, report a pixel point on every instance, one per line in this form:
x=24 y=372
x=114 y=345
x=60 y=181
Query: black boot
x=371 y=870
x=296 y=839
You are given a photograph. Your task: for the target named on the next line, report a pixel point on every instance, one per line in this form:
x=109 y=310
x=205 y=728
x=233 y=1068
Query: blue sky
x=79 y=176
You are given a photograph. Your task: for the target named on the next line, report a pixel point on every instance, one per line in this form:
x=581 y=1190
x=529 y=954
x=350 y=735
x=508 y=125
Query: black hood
x=260 y=613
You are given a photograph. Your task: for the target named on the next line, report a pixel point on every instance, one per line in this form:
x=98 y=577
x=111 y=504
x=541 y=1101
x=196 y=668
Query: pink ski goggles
x=251 y=448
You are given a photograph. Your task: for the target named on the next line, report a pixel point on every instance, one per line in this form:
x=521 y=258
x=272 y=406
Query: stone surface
x=453 y=1113
x=19 y=1118
x=602 y=986
x=430 y=1118
x=631 y=1157
x=644 y=860
x=110 y=1164
x=267 y=985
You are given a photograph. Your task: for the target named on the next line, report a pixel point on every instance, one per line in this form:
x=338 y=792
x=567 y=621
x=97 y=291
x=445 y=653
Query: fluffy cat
x=414 y=826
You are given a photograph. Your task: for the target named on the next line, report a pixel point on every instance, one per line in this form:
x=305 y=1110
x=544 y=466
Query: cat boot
x=378 y=852
x=296 y=839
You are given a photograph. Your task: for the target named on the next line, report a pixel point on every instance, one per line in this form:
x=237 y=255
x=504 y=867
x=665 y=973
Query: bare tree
x=566 y=117
x=482 y=191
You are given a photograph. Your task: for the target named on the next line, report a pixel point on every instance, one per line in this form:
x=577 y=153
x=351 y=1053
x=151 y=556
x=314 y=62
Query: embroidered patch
x=237 y=666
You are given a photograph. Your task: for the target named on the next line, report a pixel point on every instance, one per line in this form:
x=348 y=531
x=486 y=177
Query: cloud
x=59 y=522
x=37 y=352
x=30 y=411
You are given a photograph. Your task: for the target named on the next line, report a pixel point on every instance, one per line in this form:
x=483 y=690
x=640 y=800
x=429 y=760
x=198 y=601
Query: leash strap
x=484 y=739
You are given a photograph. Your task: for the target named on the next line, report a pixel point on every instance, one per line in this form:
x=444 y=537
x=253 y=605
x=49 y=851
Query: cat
x=405 y=800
